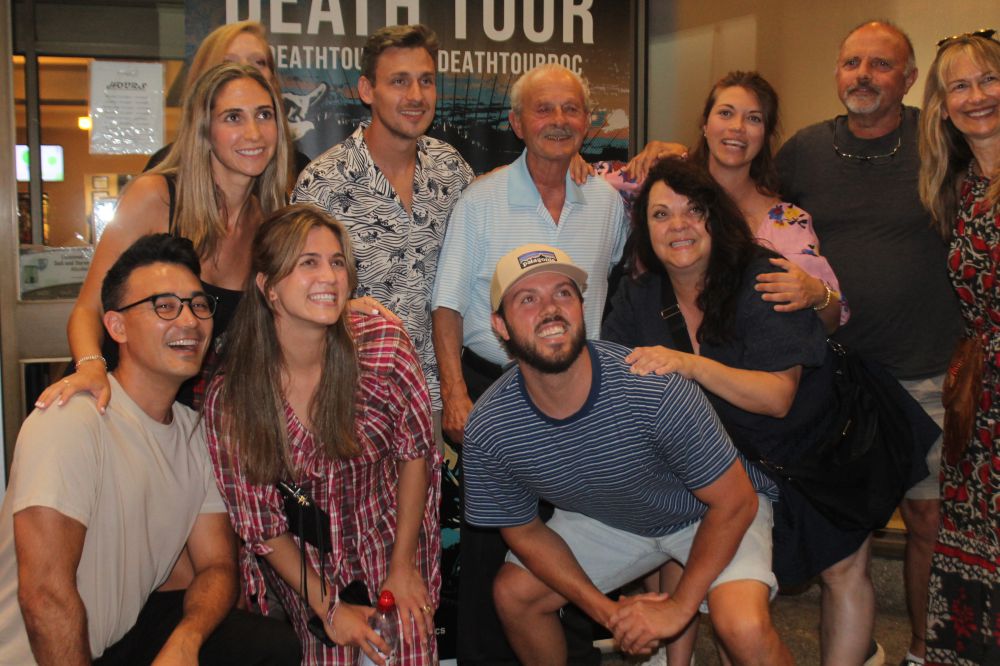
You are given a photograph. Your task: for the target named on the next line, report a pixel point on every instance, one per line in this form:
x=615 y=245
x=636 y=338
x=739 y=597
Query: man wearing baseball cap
x=639 y=469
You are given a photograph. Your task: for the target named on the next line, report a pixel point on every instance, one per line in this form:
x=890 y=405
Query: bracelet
x=826 y=302
x=92 y=357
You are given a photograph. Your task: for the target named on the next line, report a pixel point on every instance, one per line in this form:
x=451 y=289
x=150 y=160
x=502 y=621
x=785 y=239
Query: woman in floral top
x=334 y=403
x=960 y=185
x=739 y=130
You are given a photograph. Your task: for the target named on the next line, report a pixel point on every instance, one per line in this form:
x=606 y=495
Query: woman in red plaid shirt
x=334 y=403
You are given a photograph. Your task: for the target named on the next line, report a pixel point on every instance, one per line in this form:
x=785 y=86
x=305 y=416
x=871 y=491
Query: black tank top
x=192 y=390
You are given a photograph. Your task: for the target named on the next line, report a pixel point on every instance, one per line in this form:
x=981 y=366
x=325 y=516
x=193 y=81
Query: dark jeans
x=241 y=639
x=481 y=638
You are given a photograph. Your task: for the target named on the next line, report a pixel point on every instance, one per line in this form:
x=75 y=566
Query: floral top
x=392 y=424
x=788 y=230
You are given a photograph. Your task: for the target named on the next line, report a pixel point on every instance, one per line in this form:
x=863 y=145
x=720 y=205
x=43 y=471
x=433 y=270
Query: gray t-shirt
x=137 y=485
x=878 y=238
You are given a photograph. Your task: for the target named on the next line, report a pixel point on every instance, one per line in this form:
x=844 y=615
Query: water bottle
x=385 y=625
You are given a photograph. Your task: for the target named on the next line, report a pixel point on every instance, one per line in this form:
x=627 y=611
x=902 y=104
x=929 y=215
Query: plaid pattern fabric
x=392 y=424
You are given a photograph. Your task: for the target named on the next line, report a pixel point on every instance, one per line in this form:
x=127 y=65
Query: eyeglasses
x=986 y=33
x=169 y=306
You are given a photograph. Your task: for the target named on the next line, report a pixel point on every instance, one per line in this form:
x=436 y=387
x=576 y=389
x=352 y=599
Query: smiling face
x=678 y=232
x=871 y=71
x=247 y=49
x=153 y=346
x=243 y=129
x=972 y=99
x=542 y=321
x=734 y=130
x=315 y=293
x=553 y=118
x=404 y=93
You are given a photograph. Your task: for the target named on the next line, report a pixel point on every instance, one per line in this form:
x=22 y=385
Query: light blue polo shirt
x=503 y=211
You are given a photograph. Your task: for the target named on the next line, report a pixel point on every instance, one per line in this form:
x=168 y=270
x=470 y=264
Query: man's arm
x=549 y=559
x=732 y=505
x=212 y=593
x=48 y=546
x=448 y=335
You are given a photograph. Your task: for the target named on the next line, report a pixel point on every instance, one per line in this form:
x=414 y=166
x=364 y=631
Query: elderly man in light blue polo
x=531 y=200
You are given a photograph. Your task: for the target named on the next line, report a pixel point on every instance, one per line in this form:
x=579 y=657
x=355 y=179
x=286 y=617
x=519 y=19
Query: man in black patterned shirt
x=393 y=187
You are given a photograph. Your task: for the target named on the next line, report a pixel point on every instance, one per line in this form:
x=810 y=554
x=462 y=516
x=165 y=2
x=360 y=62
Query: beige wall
x=793 y=43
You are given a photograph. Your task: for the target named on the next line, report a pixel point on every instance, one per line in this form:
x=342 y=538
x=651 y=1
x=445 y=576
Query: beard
x=863 y=106
x=554 y=363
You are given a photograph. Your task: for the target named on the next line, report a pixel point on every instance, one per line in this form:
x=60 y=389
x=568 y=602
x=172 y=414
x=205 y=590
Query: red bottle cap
x=386 y=602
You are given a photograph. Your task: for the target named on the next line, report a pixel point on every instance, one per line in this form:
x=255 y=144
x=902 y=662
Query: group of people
x=338 y=345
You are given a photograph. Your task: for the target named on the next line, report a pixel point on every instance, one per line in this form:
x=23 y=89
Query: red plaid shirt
x=393 y=424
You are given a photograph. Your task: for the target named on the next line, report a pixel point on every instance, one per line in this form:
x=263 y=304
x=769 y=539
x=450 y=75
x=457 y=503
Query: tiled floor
x=797 y=619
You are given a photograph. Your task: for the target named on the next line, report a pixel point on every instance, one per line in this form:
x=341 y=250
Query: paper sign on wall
x=126 y=107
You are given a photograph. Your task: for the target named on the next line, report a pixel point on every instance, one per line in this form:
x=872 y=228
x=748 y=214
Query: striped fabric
x=502 y=211
x=628 y=458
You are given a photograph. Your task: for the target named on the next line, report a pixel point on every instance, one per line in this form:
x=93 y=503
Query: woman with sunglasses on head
x=334 y=404
x=960 y=185
x=767 y=373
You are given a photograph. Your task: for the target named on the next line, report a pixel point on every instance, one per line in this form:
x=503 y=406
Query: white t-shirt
x=137 y=485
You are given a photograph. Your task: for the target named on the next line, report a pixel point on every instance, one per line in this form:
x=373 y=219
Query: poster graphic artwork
x=485 y=46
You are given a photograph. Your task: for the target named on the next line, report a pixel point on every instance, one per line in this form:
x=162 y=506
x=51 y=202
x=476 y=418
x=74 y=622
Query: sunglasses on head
x=986 y=33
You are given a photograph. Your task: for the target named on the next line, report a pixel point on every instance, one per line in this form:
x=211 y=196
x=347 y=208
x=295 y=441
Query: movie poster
x=485 y=46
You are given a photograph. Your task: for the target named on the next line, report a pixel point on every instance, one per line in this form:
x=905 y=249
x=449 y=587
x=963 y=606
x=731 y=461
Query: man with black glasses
x=114 y=542
x=857 y=175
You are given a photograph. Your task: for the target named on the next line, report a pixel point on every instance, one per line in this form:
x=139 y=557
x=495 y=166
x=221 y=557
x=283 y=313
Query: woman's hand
x=639 y=166
x=413 y=601
x=580 y=170
x=349 y=626
x=661 y=361
x=371 y=306
x=90 y=377
x=792 y=290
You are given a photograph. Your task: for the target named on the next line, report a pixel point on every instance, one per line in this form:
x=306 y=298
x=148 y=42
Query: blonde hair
x=944 y=153
x=199 y=215
x=212 y=50
x=254 y=419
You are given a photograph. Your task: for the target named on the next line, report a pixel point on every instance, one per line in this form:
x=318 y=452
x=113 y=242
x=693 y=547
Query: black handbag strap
x=670 y=313
x=294 y=493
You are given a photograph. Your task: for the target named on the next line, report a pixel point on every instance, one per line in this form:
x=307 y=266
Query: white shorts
x=611 y=557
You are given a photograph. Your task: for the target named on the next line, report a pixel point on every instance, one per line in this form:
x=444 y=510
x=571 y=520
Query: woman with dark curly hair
x=768 y=374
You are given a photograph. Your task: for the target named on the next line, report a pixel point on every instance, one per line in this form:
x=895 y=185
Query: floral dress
x=963 y=624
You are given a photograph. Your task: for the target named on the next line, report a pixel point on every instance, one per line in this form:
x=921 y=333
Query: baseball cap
x=528 y=260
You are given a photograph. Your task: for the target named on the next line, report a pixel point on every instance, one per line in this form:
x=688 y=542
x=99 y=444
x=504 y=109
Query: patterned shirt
x=392 y=424
x=630 y=457
x=396 y=253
